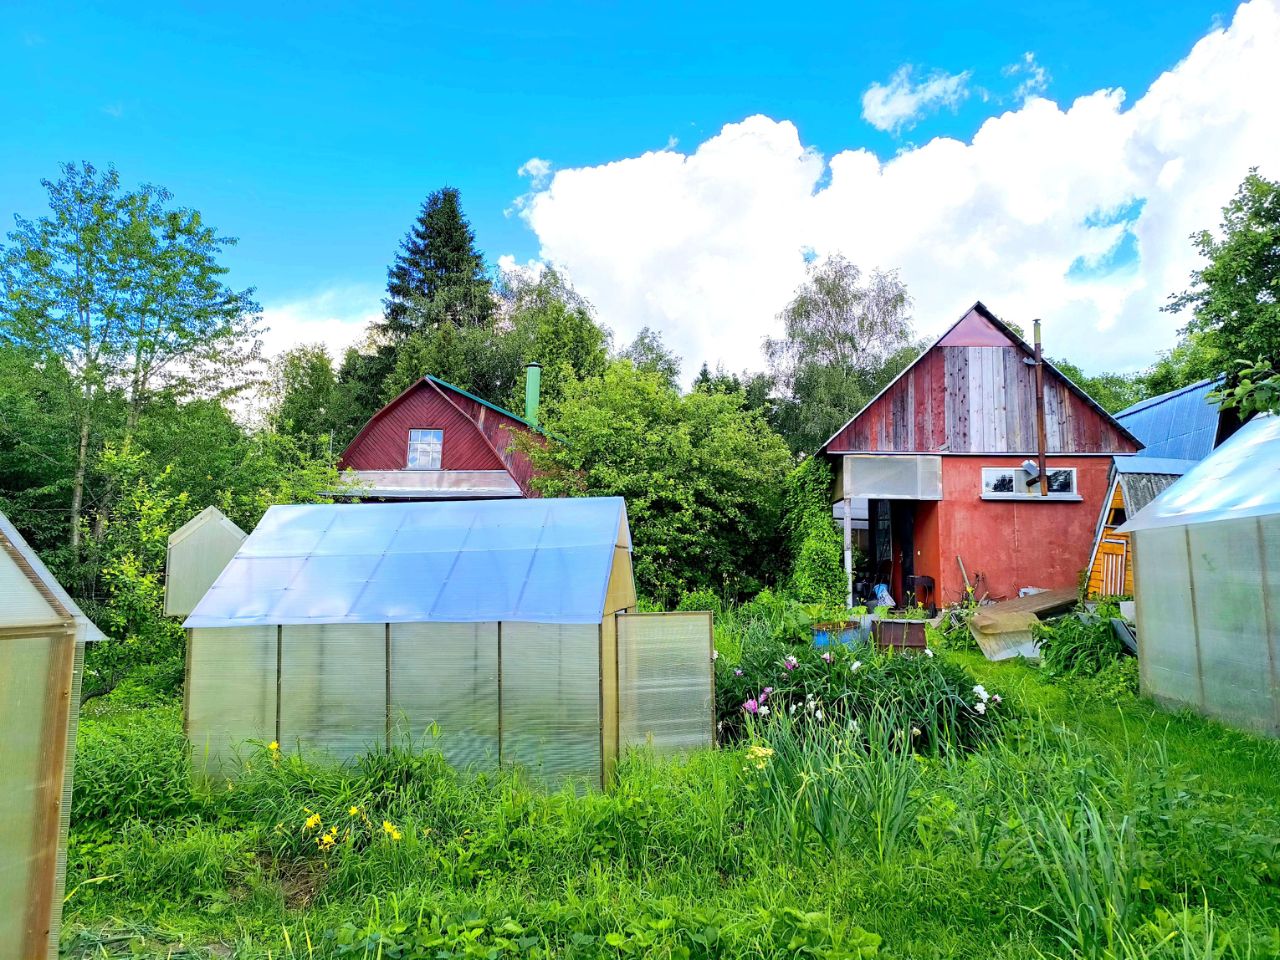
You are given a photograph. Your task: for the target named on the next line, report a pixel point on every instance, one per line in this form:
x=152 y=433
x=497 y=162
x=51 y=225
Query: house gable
x=383 y=444
x=973 y=392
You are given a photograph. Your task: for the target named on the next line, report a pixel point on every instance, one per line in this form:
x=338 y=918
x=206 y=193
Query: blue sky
x=313 y=133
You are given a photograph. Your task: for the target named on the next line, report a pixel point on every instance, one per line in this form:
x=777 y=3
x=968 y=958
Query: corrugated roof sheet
x=1181 y=424
x=540 y=561
x=1141 y=488
x=1239 y=479
x=1143 y=464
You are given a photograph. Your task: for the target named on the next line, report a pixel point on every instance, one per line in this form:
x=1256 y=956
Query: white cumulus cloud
x=899 y=103
x=337 y=318
x=1028 y=215
x=1031 y=76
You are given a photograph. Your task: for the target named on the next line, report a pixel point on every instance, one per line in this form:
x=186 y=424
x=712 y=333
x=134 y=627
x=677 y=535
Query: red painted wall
x=384 y=442
x=1013 y=543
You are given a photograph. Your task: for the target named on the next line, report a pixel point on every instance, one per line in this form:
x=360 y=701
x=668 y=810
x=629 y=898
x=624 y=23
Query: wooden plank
x=1013 y=435
x=948 y=399
x=1000 y=411
x=937 y=403
x=47 y=828
x=910 y=413
x=960 y=428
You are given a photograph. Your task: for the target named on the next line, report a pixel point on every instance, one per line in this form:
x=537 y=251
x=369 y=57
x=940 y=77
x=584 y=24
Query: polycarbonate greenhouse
x=42 y=638
x=503 y=628
x=1207 y=583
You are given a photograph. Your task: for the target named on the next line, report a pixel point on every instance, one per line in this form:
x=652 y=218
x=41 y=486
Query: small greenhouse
x=42 y=638
x=197 y=552
x=1207 y=583
x=502 y=628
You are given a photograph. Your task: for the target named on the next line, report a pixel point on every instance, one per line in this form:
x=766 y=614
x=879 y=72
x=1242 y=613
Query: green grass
x=1087 y=830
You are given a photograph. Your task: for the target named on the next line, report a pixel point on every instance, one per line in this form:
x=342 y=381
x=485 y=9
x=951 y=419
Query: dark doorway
x=893 y=551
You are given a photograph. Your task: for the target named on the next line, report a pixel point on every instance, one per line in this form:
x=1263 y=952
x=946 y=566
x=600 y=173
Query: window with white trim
x=1000 y=483
x=424 y=449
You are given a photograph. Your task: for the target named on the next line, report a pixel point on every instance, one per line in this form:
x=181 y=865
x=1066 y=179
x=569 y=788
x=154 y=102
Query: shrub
x=1080 y=644
x=815 y=547
x=700 y=600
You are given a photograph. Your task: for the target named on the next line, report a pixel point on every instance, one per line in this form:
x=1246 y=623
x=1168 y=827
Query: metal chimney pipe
x=532 y=390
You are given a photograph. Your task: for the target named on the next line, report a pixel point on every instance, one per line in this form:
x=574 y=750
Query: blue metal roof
x=1240 y=479
x=1180 y=425
x=1140 y=463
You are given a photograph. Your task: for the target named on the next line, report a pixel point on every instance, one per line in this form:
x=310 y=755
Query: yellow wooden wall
x=1111 y=544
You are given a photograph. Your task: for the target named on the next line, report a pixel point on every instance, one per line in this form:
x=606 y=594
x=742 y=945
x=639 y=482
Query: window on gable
x=1010 y=483
x=424 y=449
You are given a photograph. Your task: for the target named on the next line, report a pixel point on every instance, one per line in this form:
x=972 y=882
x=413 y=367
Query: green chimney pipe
x=532 y=389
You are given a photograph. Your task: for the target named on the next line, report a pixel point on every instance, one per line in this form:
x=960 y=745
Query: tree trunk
x=82 y=464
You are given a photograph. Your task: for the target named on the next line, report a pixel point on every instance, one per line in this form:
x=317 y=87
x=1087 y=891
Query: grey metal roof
x=1181 y=424
x=1143 y=464
x=1141 y=488
x=465 y=561
x=1239 y=479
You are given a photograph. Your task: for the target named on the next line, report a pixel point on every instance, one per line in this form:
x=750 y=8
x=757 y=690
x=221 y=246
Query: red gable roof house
x=438 y=442
x=938 y=455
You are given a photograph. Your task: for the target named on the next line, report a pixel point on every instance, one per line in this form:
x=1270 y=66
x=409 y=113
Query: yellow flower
x=274 y=746
x=353 y=812
x=758 y=756
x=390 y=830
x=312 y=821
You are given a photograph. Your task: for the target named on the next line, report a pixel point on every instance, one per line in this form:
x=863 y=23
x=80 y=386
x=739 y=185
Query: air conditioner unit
x=905 y=477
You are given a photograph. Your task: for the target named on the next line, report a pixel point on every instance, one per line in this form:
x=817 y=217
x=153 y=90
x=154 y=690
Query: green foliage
x=771 y=669
x=1254 y=389
x=648 y=353
x=953 y=632
x=702 y=477
x=1074 y=834
x=1235 y=298
x=1080 y=644
x=701 y=600
x=1195 y=358
x=438 y=275
x=846 y=337
x=815 y=547
x=1112 y=391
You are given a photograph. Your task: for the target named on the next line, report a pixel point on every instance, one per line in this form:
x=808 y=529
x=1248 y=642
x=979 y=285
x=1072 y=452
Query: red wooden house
x=939 y=455
x=438 y=442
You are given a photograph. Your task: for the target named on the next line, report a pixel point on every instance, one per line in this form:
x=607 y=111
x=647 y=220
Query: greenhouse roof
x=538 y=560
x=1239 y=479
x=28 y=586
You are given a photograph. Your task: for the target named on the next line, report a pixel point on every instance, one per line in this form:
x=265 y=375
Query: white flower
x=809 y=705
x=715 y=655
x=818 y=715
x=980 y=706
x=856 y=665
x=764 y=711
x=981 y=691
x=928 y=652
x=995 y=698
x=792 y=709
x=915 y=731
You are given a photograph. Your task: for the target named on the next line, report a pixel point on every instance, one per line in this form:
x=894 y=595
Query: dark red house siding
x=384 y=442
x=972 y=393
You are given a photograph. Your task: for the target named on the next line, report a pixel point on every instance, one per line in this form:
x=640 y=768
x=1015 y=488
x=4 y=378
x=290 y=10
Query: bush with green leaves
x=1080 y=644
x=814 y=545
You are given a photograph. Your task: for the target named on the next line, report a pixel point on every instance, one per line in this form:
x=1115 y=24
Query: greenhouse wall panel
x=1231 y=620
x=333 y=689
x=551 y=719
x=665 y=680
x=445 y=676
x=231 y=694
x=1166 y=624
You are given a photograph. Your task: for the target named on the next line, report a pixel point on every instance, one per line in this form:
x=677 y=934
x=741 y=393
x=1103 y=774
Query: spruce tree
x=438 y=275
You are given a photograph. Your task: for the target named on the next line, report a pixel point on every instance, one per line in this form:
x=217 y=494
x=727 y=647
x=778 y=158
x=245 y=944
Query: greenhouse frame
x=501 y=633
x=1207 y=583
x=42 y=639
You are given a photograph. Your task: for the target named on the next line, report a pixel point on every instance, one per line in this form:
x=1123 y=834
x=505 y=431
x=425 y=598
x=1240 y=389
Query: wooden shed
x=507 y=626
x=1135 y=482
x=939 y=454
x=42 y=638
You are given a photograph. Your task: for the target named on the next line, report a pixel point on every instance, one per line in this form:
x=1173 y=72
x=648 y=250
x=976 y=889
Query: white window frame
x=422 y=445
x=1022 y=492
